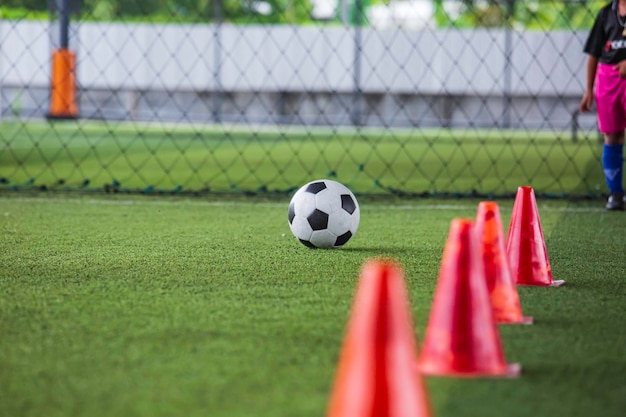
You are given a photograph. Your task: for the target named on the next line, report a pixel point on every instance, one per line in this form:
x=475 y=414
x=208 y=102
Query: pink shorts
x=610 y=99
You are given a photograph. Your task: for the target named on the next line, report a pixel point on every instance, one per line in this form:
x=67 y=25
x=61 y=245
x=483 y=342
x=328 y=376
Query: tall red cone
x=462 y=338
x=502 y=290
x=376 y=374
x=525 y=244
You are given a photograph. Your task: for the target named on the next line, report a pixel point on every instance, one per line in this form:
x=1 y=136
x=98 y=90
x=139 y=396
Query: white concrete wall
x=283 y=58
x=283 y=74
x=25 y=53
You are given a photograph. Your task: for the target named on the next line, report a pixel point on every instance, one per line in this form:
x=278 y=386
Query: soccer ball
x=324 y=214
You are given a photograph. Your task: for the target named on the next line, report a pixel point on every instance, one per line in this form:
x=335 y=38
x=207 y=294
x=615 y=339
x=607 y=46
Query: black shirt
x=607 y=39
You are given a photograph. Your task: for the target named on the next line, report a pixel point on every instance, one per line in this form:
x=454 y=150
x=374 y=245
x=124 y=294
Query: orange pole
x=63 y=85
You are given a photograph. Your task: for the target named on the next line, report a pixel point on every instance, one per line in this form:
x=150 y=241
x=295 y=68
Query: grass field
x=92 y=155
x=149 y=306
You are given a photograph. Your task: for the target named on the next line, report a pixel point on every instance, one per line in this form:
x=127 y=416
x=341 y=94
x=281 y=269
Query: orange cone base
x=523 y=320
x=512 y=370
x=554 y=283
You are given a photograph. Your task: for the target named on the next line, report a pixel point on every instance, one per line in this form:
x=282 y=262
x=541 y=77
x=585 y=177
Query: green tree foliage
x=238 y=11
x=554 y=15
x=529 y=15
x=34 y=5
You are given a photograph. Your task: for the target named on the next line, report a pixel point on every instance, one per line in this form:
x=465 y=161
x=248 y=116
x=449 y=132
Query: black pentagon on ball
x=315 y=187
x=347 y=203
x=318 y=220
x=292 y=212
x=341 y=240
x=307 y=244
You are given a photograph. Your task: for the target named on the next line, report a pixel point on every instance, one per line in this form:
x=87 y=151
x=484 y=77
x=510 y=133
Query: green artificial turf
x=97 y=155
x=147 y=306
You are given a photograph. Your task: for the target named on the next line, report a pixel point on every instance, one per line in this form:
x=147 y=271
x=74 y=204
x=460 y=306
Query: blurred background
x=405 y=98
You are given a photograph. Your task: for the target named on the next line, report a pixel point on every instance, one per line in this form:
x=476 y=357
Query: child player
x=606 y=68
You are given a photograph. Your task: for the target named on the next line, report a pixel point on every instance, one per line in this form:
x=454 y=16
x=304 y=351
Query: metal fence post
x=358 y=46
x=508 y=56
x=216 y=102
x=63 y=104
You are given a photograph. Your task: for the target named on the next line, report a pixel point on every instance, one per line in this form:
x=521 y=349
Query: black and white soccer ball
x=324 y=214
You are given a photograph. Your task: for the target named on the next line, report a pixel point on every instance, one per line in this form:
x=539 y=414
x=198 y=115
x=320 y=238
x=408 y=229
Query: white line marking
x=197 y=202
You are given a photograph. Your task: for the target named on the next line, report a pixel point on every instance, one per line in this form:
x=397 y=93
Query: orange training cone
x=525 y=245
x=376 y=375
x=502 y=290
x=63 y=85
x=462 y=338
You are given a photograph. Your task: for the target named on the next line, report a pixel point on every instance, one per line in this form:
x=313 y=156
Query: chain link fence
x=417 y=97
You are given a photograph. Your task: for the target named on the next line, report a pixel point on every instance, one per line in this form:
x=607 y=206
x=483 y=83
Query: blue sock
x=613 y=164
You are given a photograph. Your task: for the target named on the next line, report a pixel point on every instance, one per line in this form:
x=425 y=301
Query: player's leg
x=613 y=163
x=611 y=106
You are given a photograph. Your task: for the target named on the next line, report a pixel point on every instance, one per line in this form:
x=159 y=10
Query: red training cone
x=462 y=338
x=525 y=245
x=376 y=375
x=502 y=290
